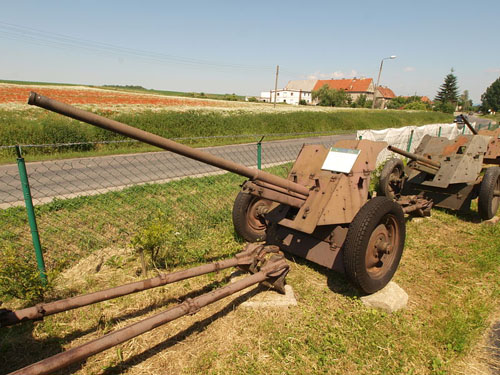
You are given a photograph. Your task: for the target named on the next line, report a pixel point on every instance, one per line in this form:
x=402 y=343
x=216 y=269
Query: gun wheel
x=391 y=179
x=489 y=193
x=248 y=217
x=374 y=244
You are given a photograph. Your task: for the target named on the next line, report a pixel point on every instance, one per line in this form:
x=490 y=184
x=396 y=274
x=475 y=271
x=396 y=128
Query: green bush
x=418 y=106
x=229 y=97
x=19 y=276
x=445 y=107
x=361 y=101
x=408 y=102
x=331 y=97
x=160 y=242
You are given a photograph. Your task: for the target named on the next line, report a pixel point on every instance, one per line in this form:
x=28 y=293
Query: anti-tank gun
x=492 y=154
x=447 y=173
x=322 y=211
x=317 y=212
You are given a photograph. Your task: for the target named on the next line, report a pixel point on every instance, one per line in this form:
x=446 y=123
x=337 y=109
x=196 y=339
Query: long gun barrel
x=415 y=157
x=466 y=122
x=166 y=144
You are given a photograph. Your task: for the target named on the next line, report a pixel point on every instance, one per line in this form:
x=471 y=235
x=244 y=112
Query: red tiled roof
x=386 y=92
x=351 y=85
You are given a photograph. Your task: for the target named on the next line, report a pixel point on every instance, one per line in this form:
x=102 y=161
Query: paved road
x=479 y=121
x=87 y=176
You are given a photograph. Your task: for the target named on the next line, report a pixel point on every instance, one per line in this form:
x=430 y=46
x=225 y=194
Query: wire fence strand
x=96 y=175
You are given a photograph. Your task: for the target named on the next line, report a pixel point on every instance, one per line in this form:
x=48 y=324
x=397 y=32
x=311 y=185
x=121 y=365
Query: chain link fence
x=188 y=202
x=149 y=200
x=96 y=175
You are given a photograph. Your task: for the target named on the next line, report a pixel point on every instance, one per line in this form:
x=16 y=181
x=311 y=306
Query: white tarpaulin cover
x=400 y=137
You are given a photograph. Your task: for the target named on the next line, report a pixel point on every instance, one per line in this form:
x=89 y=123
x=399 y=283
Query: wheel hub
x=380 y=251
x=255 y=214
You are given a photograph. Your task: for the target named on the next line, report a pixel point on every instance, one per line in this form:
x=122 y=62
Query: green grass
x=495 y=117
x=449 y=269
x=41 y=127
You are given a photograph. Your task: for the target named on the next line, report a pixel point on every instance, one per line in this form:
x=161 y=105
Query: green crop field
x=35 y=126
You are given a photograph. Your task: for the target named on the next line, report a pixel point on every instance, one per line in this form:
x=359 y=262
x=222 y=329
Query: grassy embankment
x=36 y=126
x=449 y=269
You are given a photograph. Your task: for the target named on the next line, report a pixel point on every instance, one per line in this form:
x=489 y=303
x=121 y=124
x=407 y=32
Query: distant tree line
x=410 y=103
x=448 y=99
x=128 y=87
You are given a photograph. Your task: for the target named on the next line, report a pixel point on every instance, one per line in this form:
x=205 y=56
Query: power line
x=44 y=38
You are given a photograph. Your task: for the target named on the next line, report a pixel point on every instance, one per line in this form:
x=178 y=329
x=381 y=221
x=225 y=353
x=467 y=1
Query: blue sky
x=234 y=46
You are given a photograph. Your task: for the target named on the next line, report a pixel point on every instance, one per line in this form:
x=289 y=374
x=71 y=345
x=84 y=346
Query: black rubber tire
x=245 y=221
x=487 y=203
x=387 y=187
x=378 y=216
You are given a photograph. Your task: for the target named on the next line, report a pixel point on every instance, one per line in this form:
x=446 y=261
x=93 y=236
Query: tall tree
x=330 y=97
x=491 y=97
x=464 y=101
x=448 y=91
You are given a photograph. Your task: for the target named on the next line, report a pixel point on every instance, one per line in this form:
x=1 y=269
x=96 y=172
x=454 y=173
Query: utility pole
x=276 y=84
x=378 y=79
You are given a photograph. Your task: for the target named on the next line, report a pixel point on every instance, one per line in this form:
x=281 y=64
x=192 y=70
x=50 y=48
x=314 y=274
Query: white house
x=298 y=90
x=293 y=93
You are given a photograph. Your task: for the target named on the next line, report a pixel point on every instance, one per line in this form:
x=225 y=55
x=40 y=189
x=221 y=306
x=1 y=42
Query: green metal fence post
x=259 y=153
x=360 y=137
x=408 y=148
x=489 y=125
x=439 y=132
x=31 y=214
x=463 y=129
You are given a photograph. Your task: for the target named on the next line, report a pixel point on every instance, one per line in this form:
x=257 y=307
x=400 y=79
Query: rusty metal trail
x=276 y=267
x=44 y=309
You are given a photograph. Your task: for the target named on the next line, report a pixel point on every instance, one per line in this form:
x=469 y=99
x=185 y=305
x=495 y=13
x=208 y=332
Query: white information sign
x=340 y=160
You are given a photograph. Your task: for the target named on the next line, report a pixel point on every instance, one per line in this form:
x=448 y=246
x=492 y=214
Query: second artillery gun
x=447 y=173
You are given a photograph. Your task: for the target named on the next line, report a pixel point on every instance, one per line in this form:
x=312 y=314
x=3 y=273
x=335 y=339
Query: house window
x=278 y=94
